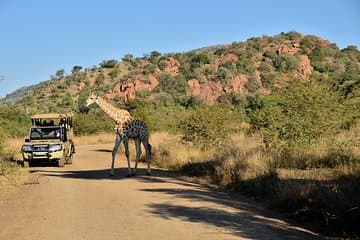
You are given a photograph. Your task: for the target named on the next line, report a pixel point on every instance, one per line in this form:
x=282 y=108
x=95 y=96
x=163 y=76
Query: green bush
x=286 y=63
x=15 y=122
x=297 y=115
x=108 y=63
x=209 y=126
x=93 y=122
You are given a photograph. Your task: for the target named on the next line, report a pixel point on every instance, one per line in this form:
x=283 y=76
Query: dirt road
x=82 y=202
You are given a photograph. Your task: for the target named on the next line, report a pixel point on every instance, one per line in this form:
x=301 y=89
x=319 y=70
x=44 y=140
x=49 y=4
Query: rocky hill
x=209 y=74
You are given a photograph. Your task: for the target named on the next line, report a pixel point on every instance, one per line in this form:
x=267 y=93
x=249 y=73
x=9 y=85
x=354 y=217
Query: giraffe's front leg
x=114 y=151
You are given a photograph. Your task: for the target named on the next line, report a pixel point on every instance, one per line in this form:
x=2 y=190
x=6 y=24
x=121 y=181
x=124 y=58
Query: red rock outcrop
x=305 y=68
x=212 y=90
x=172 y=66
x=225 y=58
x=127 y=91
x=238 y=83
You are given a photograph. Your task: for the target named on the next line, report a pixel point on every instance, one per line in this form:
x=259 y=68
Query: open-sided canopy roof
x=52 y=116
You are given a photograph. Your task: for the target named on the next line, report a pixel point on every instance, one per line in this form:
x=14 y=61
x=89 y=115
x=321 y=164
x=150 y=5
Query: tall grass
x=319 y=185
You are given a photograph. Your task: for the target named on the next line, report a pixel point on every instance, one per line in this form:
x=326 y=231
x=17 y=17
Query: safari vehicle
x=50 y=139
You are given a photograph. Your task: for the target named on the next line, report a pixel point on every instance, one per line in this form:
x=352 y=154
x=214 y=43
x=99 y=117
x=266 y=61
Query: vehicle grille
x=40 y=148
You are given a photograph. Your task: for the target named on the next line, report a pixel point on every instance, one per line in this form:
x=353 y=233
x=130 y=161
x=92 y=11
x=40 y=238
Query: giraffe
x=126 y=128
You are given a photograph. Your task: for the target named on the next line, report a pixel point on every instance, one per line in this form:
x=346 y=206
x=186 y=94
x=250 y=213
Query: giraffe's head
x=93 y=98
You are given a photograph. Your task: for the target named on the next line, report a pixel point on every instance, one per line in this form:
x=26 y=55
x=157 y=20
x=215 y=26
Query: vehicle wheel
x=70 y=159
x=61 y=162
x=26 y=164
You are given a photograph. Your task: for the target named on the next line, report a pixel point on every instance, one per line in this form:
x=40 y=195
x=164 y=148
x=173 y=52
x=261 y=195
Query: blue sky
x=39 y=37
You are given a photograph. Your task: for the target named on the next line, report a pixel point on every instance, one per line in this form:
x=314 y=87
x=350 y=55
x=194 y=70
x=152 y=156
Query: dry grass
x=169 y=152
x=241 y=159
x=94 y=139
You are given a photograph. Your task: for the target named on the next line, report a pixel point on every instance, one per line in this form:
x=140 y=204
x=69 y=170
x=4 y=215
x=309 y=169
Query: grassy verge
x=12 y=175
x=325 y=195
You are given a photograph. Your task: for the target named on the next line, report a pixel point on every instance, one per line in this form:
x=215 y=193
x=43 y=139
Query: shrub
x=296 y=115
x=209 y=126
x=200 y=59
x=95 y=121
x=286 y=62
x=14 y=121
x=108 y=63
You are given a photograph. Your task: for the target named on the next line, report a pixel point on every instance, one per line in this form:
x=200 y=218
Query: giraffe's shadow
x=98 y=174
x=103 y=150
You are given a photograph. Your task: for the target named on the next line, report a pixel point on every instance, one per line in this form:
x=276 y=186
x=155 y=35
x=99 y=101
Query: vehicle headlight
x=56 y=147
x=26 y=148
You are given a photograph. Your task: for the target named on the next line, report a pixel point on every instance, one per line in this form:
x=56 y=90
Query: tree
x=108 y=63
x=128 y=58
x=76 y=69
x=60 y=73
x=154 y=56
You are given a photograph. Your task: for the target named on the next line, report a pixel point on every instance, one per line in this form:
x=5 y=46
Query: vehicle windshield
x=45 y=133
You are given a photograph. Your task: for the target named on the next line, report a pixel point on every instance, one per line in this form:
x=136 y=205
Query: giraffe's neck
x=120 y=116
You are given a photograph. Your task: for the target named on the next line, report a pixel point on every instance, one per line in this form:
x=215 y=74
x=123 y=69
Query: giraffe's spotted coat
x=126 y=127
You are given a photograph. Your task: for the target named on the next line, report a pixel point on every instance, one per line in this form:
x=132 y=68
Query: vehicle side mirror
x=27 y=140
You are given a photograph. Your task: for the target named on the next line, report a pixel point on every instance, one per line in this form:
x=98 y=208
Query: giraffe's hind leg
x=147 y=147
x=138 y=154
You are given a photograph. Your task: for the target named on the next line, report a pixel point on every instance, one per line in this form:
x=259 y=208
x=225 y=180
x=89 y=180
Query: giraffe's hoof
x=111 y=174
x=129 y=175
x=133 y=174
x=148 y=173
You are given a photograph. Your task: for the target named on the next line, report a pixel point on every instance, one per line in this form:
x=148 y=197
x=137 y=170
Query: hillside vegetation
x=254 y=114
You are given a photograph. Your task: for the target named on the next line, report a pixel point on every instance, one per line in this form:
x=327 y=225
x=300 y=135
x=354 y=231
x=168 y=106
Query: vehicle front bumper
x=29 y=156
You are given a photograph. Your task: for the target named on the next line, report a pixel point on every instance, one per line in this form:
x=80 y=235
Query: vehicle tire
x=26 y=164
x=70 y=159
x=61 y=162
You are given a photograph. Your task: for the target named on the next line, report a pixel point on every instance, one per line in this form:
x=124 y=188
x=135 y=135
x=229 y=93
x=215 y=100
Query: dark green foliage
x=2 y=136
x=286 y=63
x=200 y=59
x=154 y=56
x=108 y=63
x=93 y=122
x=350 y=79
x=252 y=85
x=160 y=117
x=151 y=68
x=128 y=58
x=83 y=95
x=67 y=102
x=113 y=74
x=224 y=75
x=209 y=126
x=297 y=115
x=173 y=85
x=245 y=65
x=60 y=73
x=14 y=122
x=76 y=69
